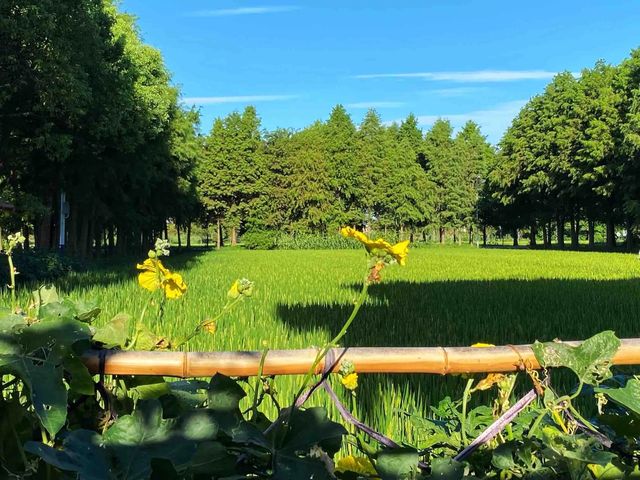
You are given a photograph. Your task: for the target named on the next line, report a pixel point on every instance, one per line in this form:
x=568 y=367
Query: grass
x=444 y=296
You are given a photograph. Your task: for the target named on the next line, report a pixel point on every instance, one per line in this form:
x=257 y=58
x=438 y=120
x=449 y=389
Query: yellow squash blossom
x=360 y=465
x=398 y=251
x=350 y=381
x=154 y=275
x=482 y=345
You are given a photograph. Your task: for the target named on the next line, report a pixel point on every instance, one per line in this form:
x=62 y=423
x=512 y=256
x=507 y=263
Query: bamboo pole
x=437 y=360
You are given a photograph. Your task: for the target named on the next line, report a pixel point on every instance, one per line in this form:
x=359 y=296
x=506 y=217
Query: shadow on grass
x=109 y=271
x=459 y=313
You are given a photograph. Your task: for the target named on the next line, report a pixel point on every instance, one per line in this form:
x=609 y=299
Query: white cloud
x=478 y=76
x=375 y=104
x=454 y=92
x=228 y=12
x=236 y=99
x=493 y=121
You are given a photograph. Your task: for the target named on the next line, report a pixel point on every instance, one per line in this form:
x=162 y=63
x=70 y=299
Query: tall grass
x=444 y=296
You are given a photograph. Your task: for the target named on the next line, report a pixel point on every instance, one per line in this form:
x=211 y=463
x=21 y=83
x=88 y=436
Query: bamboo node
x=185 y=364
x=446 y=361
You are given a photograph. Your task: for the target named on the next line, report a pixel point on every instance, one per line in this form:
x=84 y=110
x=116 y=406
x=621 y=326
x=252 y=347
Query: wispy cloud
x=454 y=92
x=376 y=104
x=493 y=121
x=237 y=99
x=477 y=76
x=228 y=12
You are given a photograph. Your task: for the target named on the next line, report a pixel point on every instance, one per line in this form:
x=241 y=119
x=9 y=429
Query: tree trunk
x=545 y=233
x=401 y=232
x=218 y=235
x=575 y=231
x=189 y=235
x=455 y=235
x=591 y=233
x=560 y=228
x=611 y=233
x=470 y=234
x=441 y=233
x=484 y=235
x=234 y=237
x=25 y=232
x=166 y=230
x=111 y=238
x=629 y=236
x=532 y=235
x=514 y=234
x=42 y=232
x=179 y=238
x=411 y=236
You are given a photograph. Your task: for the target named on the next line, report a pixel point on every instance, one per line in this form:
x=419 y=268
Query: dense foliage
x=571 y=156
x=333 y=173
x=87 y=108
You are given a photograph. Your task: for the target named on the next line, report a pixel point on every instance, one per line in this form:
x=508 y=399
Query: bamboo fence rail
x=436 y=360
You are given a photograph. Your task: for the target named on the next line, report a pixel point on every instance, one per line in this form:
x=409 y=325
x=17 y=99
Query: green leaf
x=9 y=321
x=115 y=332
x=288 y=466
x=146 y=387
x=56 y=311
x=144 y=435
x=502 y=457
x=48 y=393
x=45 y=295
x=56 y=336
x=590 y=361
x=396 y=464
x=85 y=310
x=81 y=380
x=82 y=453
x=629 y=396
x=311 y=427
x=447 y=469
x=213 y=459
x=224 y=397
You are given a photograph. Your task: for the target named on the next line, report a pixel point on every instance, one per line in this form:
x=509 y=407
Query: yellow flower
x=210 y=326
x=398 y=251
x=482 y=345
x=234 y=291
x=350 y=381
x=174 y=286
x=154 y=275
x=360 y=465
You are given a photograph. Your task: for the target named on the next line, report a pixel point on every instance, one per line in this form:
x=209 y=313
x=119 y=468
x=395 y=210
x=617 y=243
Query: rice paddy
x=444 y=296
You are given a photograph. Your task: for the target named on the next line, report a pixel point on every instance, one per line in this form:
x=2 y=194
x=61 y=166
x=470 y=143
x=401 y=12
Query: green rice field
x=447 y=296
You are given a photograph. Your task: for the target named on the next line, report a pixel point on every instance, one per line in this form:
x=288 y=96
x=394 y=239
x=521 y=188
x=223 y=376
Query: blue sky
x=460 y=59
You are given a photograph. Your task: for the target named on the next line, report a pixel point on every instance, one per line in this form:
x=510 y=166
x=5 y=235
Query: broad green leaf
x=47 y=392
x=577 y=447
x=213 y=459
x=85 y=310
x=146 y=387
x=396 y=464
x=82 y=453
x=56 y=311
x=45 y=295
x=590 y=361
x=288 y=466
x=502 y=457
x=144 y=435
x=9 y=321
x=56 y=336
x=224 y=397
x=313 y=427
x=447 y=469
x=629 y=396
x=115 y=332
x=81 y=380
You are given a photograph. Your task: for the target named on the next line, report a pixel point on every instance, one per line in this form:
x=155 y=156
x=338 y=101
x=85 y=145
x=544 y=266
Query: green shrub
x=259 y=239
x=39 y=265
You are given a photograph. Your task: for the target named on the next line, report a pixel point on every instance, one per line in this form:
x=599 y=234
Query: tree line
x=571 y=160
x=392 y=178
x=87 y=108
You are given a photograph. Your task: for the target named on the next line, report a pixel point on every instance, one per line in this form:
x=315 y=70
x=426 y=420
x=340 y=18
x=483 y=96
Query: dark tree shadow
x=460 y=313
